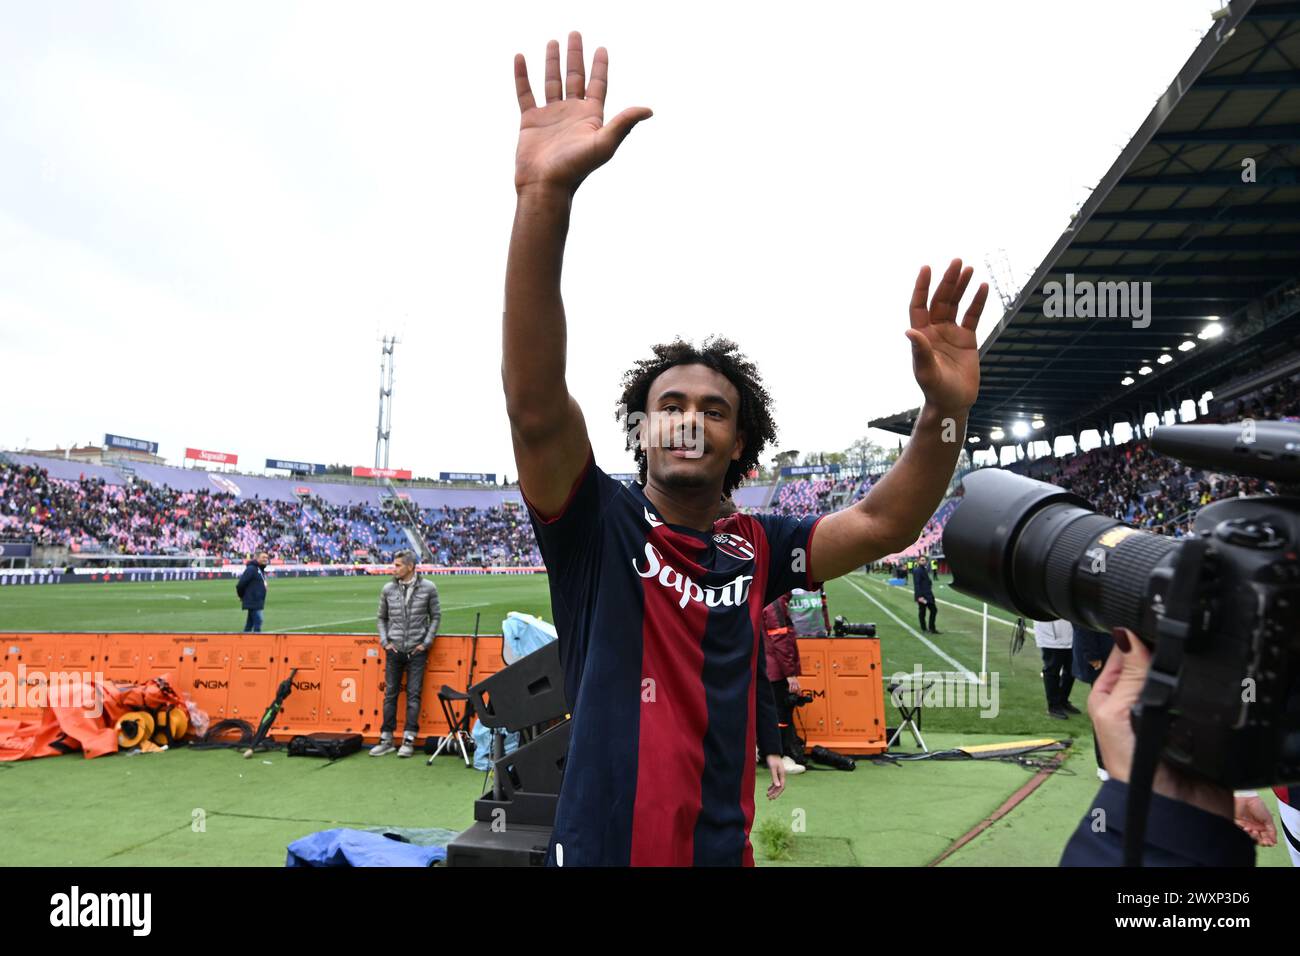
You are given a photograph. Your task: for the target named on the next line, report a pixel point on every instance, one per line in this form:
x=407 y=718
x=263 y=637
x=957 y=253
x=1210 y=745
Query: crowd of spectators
x=1129 y=482
x=499 y=536
x=90 y=516
x=1160 y=494
x=1141 y=487
x=809 y=496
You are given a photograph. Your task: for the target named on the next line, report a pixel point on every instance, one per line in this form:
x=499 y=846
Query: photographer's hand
x=1117 y=689
x=1251 y=815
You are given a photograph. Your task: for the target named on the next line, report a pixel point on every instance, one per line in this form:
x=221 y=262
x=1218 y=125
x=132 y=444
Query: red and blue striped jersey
x=660 y=632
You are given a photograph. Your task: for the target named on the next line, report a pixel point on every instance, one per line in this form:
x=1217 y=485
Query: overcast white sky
x=210 y=212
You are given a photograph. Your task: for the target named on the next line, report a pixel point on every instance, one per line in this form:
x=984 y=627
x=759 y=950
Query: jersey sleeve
x=767 y=733
x=564 y=536
x=789 y=553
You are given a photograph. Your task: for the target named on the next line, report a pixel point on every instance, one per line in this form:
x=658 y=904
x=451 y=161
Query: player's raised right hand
x=562 y=142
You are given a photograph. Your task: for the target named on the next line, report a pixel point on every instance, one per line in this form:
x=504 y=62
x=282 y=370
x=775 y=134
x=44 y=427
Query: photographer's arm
x=560 y=144
x=945 y=361
x=1189 y=822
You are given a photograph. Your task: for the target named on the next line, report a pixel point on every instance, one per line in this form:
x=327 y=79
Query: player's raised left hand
x=945 y=356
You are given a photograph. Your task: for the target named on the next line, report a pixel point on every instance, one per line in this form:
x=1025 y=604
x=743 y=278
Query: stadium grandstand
x=100 y=511
x=97 y=511
x=1173 y=294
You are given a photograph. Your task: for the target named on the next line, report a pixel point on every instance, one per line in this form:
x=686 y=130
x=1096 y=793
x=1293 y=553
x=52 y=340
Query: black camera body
x=800 y=699
x=843 y=628
x=1220 y=608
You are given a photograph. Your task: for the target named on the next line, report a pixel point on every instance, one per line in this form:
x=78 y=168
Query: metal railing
x=407 y=518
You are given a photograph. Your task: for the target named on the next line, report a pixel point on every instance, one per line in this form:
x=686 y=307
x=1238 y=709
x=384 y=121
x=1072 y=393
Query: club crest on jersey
x=734 y=545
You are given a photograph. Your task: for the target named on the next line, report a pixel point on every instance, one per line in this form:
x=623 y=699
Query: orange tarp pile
x=82 y=718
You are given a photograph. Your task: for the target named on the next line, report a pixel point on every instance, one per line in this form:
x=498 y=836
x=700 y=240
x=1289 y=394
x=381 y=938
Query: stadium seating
x=162 y=510
x=806 y=496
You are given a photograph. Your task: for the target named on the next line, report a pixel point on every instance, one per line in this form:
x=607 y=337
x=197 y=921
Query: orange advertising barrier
x=340 y=681
x=339 y=685
x=847 y=712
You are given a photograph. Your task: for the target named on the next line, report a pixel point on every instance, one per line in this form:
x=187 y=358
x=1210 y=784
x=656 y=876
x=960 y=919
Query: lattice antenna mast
x=385 y=427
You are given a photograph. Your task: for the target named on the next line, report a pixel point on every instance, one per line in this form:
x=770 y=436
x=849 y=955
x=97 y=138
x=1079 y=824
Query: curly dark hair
x=723 y=356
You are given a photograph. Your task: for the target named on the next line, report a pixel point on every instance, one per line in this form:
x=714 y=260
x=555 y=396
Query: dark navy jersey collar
x=705 y=536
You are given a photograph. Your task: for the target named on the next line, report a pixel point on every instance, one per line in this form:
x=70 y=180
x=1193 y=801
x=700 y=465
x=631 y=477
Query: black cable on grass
x=1039 y=765
x=213 y=739
x=1024 y=760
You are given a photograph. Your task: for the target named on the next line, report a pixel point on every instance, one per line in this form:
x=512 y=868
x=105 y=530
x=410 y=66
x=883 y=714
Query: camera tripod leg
x=441 y=744
x=910 y=722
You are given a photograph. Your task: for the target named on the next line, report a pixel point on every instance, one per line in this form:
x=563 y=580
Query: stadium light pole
x=383 y=430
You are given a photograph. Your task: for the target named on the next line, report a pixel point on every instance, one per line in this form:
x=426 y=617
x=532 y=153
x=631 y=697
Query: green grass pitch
x=902 y=815
x=348 y=604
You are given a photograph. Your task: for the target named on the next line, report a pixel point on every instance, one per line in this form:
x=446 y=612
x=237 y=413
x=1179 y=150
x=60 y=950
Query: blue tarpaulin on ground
x=345 y=847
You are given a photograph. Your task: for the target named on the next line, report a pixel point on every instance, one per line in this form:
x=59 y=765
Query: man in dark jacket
x=923 y=591
x=781 y=651
x=252 y=591
x=408 y=619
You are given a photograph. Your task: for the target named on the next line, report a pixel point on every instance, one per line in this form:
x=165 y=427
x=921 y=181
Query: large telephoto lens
x=1047 y=554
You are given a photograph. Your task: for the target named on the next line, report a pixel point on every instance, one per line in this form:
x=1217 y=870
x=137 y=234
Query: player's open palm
x=945 y=355
x=562 y=142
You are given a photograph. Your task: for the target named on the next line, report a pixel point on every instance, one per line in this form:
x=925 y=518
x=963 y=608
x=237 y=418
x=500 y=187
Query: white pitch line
x=971 y=677
x=305 y=627
x=960 y=607
x=358 y=620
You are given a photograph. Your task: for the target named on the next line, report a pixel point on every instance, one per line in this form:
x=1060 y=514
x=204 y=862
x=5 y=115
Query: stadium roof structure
x=1203 y=203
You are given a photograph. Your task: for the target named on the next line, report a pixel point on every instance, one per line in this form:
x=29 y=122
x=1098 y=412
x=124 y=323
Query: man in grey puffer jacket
x=408 y=620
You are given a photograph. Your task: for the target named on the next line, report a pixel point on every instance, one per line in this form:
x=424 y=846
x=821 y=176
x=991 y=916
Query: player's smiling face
x=692 y=432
